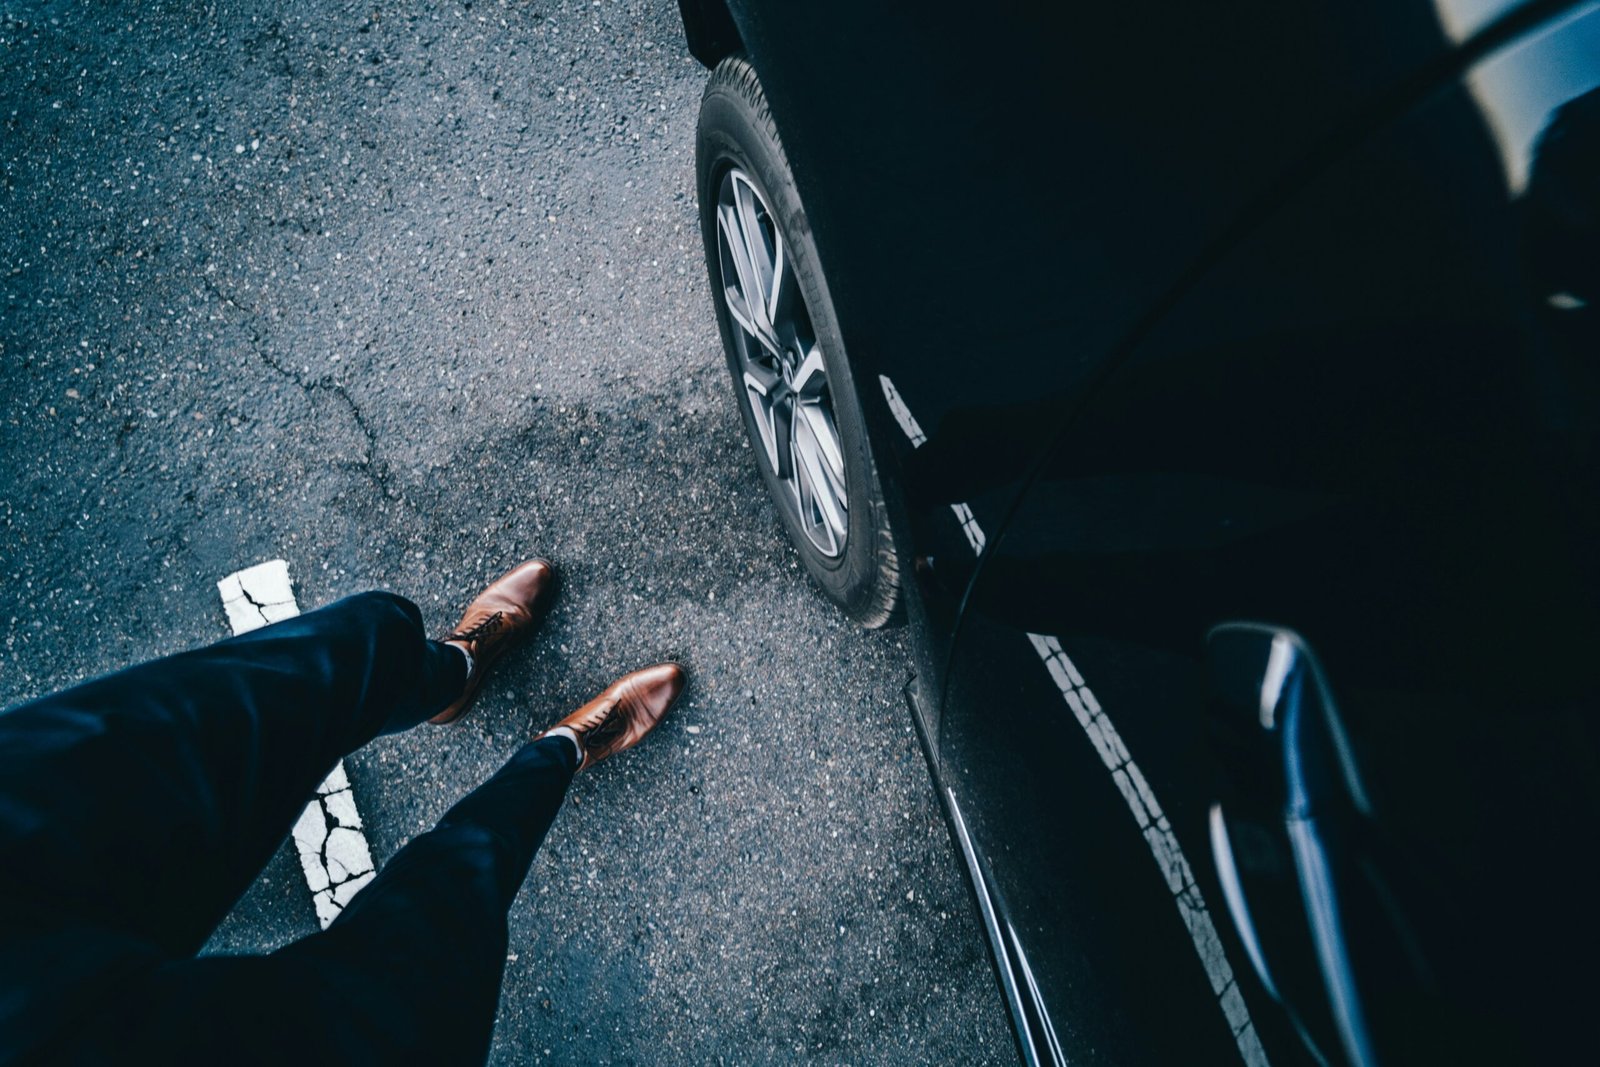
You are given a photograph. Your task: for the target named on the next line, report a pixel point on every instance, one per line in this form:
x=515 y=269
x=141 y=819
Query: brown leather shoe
x=628 y=709
x=508 y=609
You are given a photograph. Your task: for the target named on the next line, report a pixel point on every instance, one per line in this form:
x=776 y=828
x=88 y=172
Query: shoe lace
x=478 y=631
x=611 y=725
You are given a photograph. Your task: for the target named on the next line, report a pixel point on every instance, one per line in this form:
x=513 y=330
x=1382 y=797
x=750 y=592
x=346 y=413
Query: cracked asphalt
x=403 y=294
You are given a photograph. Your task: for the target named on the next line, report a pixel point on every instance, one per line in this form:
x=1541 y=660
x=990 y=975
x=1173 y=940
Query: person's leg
x=147 y=800
x=408 y=972
x=411 y=970
x=427 y=938
x=134 y=809
x=144 y=803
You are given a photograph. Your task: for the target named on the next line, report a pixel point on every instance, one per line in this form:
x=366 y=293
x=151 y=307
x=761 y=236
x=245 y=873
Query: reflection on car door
x=1370 y=429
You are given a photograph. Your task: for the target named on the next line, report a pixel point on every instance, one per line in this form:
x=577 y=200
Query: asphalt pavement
x=402 y=294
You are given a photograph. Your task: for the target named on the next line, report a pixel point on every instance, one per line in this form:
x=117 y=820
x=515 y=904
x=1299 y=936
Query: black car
x=1214 y=390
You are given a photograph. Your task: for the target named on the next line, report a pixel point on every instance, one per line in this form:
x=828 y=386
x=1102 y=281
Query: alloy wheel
x=784 y=376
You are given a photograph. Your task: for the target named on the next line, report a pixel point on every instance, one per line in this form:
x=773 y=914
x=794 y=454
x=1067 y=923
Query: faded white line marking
x=334 y=854
x=257 y=596
x=1130 y=781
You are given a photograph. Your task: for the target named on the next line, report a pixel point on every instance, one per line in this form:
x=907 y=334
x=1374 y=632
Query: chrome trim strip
x=991 y=925
x=1036 y=997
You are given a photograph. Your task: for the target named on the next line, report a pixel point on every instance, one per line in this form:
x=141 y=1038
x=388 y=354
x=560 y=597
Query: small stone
x=72 y=394
x=692 y=729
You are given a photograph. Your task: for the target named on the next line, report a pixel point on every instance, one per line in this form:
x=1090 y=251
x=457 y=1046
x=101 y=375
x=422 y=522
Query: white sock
x=471 y=663
x=566 y=731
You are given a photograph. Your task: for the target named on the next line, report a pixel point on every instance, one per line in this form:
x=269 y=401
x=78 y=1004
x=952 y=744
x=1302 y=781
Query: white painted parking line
x=333 y=851
x=257 y=596
x=1136 y=792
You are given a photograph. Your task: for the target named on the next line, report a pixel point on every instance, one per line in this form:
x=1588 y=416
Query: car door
x=999 y=196
x=1291 y=636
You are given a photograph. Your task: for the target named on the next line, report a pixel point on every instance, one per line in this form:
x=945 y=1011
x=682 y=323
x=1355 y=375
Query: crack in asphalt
x=375 y=469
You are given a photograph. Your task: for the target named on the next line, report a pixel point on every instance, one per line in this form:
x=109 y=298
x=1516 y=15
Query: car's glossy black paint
x=1266 y=312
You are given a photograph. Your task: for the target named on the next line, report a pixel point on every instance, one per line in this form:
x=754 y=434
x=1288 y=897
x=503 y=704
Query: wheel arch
x=710 y=30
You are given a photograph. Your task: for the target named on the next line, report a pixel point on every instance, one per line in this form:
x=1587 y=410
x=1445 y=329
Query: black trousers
x=135 y=810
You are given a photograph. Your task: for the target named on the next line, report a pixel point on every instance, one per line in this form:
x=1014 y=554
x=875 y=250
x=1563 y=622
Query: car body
x=1230 y=374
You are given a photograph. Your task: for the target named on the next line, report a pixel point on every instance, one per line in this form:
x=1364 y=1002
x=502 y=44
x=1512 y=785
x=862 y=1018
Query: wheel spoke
x=744 y=298
x=748 y=312
x=764 y=379
x=759 y=251
x=823 y=429
x=811 y=376
x=783 y=430
x=758 y=396
x=781 y=283
x=821 y=495
x=806 y=500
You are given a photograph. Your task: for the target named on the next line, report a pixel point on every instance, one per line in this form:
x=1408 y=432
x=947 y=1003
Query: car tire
x=785 y=348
